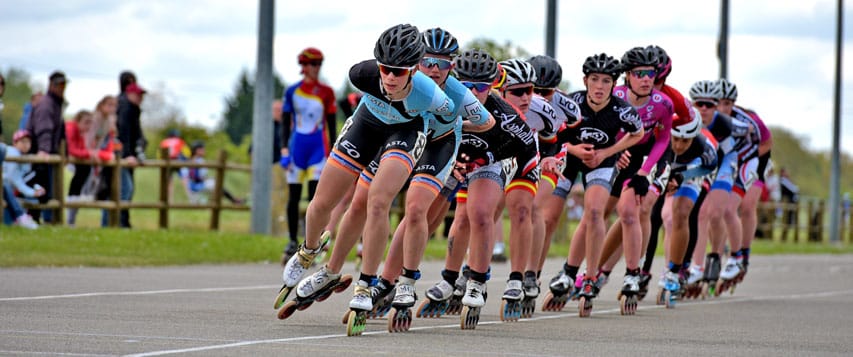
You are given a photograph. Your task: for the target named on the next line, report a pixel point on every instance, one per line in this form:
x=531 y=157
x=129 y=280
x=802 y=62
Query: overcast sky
x=781 y=53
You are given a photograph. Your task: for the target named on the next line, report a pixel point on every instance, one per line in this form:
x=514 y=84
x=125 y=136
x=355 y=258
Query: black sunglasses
x=518 y=92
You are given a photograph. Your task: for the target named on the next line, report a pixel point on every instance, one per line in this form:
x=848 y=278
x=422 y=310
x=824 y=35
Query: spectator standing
x=2 y=90
x=105 y=139
x=15 y=177
x=130 y=136
x=28 y=109
x=279 y=185
x=790 y=195
x=80 y=147
x=47 y=130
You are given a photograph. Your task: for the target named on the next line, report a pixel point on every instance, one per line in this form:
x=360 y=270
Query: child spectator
x=176 y=148
x=81 y=147
x=196 y=181
x=15 y=177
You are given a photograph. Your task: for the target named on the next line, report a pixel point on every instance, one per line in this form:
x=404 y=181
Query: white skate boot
x=316 y=282
x=474 y=294
x=361 y=299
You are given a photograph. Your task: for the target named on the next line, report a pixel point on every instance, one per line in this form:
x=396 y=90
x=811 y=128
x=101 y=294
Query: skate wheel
x=400 y=320
x=623 y=305
x=344 y=283
x=659 y=300
x=282 y=296
x=584 y=306
x=420 y=311
x=669 y=300
x=355 y=323
x=304 y=305
x=619 y=295
x=287 y=310
x=469 y=317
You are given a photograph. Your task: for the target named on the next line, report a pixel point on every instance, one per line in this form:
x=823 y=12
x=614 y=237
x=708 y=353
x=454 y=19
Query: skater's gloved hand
x=284 y=161
x=640 y=184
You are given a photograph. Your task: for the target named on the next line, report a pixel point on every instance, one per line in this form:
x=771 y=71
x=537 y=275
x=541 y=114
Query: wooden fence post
x=165 y=183
x=115 y=191
x=217 y=190
x=58 y=193
x=796 y=222
x=818 y=222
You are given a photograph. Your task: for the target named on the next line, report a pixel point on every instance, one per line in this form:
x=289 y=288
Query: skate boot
x=712 y=275
x=401 y=313
x=291 y=249
x=729 y=275
x=437 y=300
x=472 y=302
x=588 y=292
x=628 y=295
x=454 y=306
x=694 y=281
x=361 y=303
x=317 y=287
x=561 y=287
x=669 y=286
x=531 y=292
x=498 y=253
x=382 y=295
x=295 y=268
x=511 y=305
x=645 y=278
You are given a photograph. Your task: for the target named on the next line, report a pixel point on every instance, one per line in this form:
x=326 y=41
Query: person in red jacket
x=79 y=148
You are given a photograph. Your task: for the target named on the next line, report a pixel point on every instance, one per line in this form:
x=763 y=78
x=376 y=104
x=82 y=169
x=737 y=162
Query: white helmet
x=705 y=90
x=518 y=71
x=690 y=129
x=728 y=90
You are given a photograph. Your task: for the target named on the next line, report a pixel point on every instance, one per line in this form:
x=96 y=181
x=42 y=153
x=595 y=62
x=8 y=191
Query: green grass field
x=188 y=240
x=63 y=246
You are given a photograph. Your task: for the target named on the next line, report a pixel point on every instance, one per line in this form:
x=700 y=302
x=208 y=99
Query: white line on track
x=547 y=317
x=144 y=292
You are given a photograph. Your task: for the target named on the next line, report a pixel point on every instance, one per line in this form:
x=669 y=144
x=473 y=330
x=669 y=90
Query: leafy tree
x=17 y=94
x=499 y=51
x=239 y=108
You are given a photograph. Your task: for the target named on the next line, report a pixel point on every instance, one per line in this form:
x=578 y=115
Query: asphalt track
x=788 y=305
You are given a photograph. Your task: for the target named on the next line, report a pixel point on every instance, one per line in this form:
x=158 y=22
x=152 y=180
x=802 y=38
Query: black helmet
x=476 y=66
x=640 y=56
x=664 y=66
x=399 y=46
x=602 y=63
x=440 y=42
x=549 y=73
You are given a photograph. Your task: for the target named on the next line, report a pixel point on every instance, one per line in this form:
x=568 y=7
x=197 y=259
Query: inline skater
x=631 y=228
x=734 y=142
x=549 y=74
x=683 y=114
x=481 y=154
x=752 y=194
x=603 y=117
x=383 y=122
x=694 y=158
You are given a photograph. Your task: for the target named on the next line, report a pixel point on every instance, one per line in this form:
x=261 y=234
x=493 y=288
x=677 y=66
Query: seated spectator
x=177 y=148
x=15 y=177
x=196 y=181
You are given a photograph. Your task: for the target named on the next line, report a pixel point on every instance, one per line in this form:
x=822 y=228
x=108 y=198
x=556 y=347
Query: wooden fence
x=114 y=205
x=808 y=222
